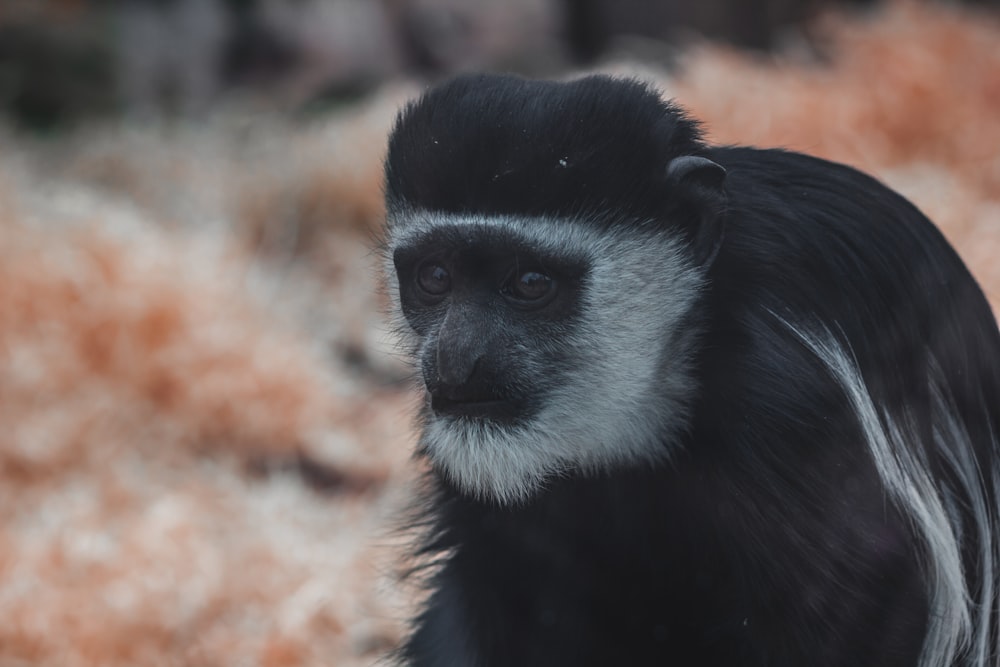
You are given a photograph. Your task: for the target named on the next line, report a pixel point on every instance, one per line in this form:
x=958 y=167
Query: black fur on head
x=504 y=145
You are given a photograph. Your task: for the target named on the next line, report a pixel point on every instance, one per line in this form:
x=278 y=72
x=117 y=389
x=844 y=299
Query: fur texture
x=822 y=484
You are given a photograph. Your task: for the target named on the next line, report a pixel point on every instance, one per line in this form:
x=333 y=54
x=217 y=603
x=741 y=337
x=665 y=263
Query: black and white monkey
x=686 y=405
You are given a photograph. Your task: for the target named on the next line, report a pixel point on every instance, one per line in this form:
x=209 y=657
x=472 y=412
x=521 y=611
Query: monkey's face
x=545 y=346
x=548 y=242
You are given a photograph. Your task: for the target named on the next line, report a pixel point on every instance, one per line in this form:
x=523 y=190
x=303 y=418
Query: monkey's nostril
x=474 y=405
x=475 y=396
x=466 y=392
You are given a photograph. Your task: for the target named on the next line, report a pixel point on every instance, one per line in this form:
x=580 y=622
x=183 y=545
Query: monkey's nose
x=462 y=343
x=466 y=388
x=479 y=399
x=464 y=385
x=455 y=369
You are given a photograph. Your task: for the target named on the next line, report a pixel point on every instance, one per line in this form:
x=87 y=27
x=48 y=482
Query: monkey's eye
x=530 y=286
x=433 y=279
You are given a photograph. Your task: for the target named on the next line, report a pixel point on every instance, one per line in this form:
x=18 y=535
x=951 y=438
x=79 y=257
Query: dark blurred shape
x=592 y=25
x=66 y=59
x=52 y=71
x=444 y=36
x=170 y=54
x=321 y=477
x=255 y=53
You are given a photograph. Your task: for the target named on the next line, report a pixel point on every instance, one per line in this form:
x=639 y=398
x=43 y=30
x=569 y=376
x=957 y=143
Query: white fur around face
x=627 y=394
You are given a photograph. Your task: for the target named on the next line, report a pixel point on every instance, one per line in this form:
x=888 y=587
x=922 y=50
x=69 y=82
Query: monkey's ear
x=698 y=171
x=701 y=182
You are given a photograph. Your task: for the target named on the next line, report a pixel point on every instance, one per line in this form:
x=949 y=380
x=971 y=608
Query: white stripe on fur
x=959 y=626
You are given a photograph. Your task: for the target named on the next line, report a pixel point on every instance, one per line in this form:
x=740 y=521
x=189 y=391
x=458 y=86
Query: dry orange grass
x=143 y=330
x=919 y=84
x=190 y=473
x=140 y=381
x=912 y=96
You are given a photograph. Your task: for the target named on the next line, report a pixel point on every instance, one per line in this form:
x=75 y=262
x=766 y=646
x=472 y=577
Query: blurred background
x=204 y=426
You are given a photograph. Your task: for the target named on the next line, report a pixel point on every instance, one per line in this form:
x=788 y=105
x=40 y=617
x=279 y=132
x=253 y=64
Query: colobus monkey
x=686 y=405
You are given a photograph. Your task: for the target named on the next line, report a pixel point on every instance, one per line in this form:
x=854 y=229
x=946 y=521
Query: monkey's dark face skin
x=480 y=299
x=685 y=405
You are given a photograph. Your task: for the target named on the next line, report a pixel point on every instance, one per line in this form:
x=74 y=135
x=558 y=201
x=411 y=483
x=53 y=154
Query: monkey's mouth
x=476 y=408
